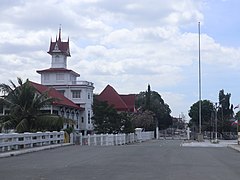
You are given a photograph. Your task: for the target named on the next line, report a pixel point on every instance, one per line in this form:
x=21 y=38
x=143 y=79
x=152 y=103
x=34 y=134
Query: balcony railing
x=83 y=83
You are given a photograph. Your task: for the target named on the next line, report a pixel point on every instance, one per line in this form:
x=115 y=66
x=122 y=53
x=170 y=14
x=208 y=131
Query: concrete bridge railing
x=15 y=141
x=110 y=139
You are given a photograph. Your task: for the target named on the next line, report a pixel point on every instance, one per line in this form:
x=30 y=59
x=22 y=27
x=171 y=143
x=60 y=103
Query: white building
x=65 y=81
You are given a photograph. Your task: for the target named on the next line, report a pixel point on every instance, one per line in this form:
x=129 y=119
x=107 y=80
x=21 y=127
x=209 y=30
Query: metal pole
x=216 y=123
x=200 y=88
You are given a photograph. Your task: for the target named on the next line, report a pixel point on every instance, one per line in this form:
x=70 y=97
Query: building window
x=82 y=119
x=89 y=117
x=59 y=77
x=72 y=115
x=67 y=113
x=88 y=95
x=76 y=94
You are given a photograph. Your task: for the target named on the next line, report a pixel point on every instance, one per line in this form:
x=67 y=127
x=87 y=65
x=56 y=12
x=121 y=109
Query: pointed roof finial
x=59 y=33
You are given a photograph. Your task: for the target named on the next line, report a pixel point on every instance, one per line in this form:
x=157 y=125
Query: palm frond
x=22 y=126
x=5 y=89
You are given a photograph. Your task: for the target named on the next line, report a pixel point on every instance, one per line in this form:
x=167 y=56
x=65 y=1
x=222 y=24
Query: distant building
x=122 y=103
x=65 y=82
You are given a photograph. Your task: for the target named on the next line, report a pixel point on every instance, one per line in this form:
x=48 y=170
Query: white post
x=238 y=138
x=81 y=139
x=95 y=139
x=101 y=139
x=188 y=133
x=157 y=133
x=107 y=139
x=115 y=139
x=51 y=109
x=71 y=138
x=89 y=140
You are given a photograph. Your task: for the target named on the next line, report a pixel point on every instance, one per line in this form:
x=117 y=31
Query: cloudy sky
x=129 y=44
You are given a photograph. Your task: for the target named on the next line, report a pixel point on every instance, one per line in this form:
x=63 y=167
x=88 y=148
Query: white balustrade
x=14 y=141
x=111 y=139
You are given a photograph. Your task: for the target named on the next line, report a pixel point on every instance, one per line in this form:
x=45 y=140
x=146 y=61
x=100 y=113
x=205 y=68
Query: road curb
x=235 y=147
x=30 y=150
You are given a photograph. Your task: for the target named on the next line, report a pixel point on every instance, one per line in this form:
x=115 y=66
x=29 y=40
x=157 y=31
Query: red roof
x=53 y=93
x=60 y=70
x=120 y=102
x=129 y=101
x=61 y=47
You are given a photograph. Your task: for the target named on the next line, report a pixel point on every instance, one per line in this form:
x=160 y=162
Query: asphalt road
x=165 y=160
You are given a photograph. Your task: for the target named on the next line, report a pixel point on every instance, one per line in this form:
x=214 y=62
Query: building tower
x=65 y=81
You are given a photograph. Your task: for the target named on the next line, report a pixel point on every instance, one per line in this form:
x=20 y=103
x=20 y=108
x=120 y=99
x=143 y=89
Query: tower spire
x=59 y=33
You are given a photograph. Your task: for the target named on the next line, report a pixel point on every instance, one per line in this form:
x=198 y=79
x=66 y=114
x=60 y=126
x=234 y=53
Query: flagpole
x=200 y=83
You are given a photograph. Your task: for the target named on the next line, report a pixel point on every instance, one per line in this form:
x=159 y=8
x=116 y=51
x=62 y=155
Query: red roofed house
x=122 y=103
x=65 y=81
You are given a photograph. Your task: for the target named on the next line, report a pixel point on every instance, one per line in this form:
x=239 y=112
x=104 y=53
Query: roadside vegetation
x=24 y=106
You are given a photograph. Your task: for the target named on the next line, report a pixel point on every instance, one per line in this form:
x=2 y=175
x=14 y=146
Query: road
x=163 y=159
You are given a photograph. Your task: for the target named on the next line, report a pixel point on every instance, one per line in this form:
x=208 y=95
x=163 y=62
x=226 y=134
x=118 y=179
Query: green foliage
x=126 y=121
x=225 y=111
x=107 y=120
x=69 y=130
x=25 y=104
x=207 y=113
x=152 y=101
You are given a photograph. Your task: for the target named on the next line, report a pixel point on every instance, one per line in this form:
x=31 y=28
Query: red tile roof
x=60 y=70
x=129 y=101
x=62 y=100
x=120 y=102
x=63 y=47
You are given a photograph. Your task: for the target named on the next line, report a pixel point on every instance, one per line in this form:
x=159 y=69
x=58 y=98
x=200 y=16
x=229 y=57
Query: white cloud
x=127 y=44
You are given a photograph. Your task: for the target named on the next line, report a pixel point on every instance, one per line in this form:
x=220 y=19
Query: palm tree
x=25 y=104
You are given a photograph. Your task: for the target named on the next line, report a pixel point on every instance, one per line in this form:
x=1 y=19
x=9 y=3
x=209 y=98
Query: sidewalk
x=222 y=143
x=29 y=150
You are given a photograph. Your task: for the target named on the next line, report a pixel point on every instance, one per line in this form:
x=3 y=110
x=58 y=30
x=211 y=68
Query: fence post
x=80 y=139
x=101 y=139
x=238 y=138
x=107 y=139
x=95 y=139
x=71 y=138
x=89 y=141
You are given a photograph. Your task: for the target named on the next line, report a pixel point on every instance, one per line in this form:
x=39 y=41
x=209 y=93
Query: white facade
x=66 y=82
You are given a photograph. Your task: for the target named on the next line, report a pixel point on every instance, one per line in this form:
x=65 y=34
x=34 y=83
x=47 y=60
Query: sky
x=129 y=44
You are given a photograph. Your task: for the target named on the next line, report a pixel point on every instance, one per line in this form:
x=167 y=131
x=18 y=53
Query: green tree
x=25 y=104
x=148 y=98
x=152 y=101
x=207 y=114
x=127 y=123
x=107 y=120
x=225 y=111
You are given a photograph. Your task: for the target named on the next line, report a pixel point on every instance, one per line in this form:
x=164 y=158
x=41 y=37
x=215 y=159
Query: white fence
x=238 y=138
x=111 y=139
x=14 y=141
